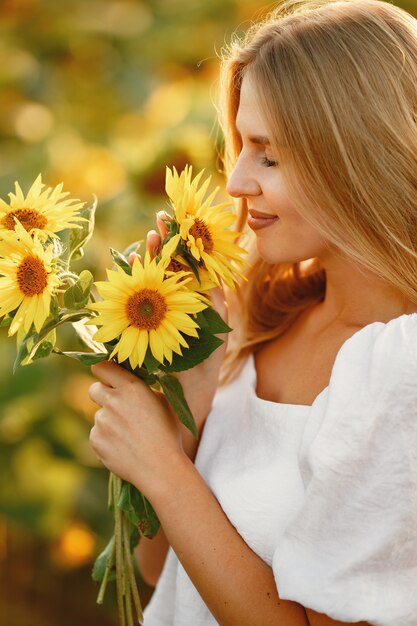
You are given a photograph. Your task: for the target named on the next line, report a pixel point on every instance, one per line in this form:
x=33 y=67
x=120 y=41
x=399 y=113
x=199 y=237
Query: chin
x=272 y=255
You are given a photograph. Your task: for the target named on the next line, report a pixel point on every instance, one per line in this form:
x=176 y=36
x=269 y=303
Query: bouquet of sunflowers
x=153 y=317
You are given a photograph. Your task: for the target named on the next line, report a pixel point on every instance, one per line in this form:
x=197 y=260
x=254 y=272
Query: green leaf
x=6 y=321
x=151 y=364
x=66 y=315
x=198 y=351
x=45 y=348
x=74 y=239
x=174 y=393
x=201 y=320
x=77 y=296
x=140 y=372
x=22 y=353
x=101 y=561
x=33 y=347
x=138 y=510
x=214 y=321
x=53 y=311
x=80 y=236
x=121 y=261
x=173 y=227
x=87 y=358
x=192 y=263
x=37 y=338
x=125 y=503
x=134 y=538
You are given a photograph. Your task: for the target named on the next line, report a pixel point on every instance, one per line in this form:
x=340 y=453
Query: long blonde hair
x=337 y=86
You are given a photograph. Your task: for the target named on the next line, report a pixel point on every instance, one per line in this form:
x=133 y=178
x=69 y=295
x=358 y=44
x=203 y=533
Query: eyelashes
x=268 y=163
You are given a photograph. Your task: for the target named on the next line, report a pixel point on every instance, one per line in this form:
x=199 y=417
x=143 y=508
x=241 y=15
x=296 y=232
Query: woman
x=300 y=507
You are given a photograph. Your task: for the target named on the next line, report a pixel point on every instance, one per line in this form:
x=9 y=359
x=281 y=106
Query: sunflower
x=204 y=227
x=27 y=279
x=204 y=282
x=146 y=309
x=43 y=210
x=177 y=263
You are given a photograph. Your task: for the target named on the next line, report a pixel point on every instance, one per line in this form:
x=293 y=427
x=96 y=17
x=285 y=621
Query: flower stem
x=103 y=586
x=110 y=560
x=130 y=571
x=118 y=540
x=68 y=277
x=128 y=604
x=126 y=588
x=110 y=499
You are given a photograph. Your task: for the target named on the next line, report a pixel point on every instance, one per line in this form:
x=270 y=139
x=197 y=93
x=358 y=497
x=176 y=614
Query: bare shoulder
x=296 y=367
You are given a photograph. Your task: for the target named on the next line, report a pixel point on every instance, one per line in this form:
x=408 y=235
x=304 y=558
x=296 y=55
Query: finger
x=111 y=374
x=99 y=417
x=161 y=221
x=94 y=437
x=133 y=256
x=153 y=242
x=97 y=393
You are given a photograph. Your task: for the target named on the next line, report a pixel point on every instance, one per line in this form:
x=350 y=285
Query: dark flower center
x=200 y=230
x=29 y=218
x=32 y=276
x=146 y=309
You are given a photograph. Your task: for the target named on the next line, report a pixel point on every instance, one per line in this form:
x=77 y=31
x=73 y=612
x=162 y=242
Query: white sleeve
x=351 y=550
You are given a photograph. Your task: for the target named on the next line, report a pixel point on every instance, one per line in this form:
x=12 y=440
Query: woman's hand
x=135 y=434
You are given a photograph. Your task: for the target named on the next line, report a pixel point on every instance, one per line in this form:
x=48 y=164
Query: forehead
x=248 y=118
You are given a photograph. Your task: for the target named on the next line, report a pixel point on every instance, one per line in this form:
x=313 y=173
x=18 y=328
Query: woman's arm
x=236 y=584
x=151 y=553
x=199 y=386
x=137 y=438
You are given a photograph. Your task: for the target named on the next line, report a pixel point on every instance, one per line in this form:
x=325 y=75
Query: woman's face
x=282 y=234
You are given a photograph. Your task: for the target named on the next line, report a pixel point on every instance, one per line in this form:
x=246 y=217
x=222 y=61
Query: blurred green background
x=101 y=95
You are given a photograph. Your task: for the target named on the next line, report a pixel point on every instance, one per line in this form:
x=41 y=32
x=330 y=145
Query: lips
x=258 y=214
x=258 y=220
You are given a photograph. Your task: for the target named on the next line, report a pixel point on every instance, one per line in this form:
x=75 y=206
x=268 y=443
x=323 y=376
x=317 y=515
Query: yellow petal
x=157 y=347
x=110 y=331
x=142 y=346
x=126 y=343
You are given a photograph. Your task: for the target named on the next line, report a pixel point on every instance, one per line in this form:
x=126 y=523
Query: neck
x=356 y=296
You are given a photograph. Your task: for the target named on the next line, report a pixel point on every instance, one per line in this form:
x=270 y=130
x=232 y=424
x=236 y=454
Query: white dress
x=325 y=494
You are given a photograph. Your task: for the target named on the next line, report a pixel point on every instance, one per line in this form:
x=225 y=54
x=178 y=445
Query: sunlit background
x=101 y=95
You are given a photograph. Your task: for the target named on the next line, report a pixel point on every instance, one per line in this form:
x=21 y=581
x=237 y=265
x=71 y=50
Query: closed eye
x=268 y=163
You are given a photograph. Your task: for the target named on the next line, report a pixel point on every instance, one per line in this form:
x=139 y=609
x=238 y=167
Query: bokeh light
x=101 y=95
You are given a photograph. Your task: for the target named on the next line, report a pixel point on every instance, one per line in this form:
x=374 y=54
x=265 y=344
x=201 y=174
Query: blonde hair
x=337 y=86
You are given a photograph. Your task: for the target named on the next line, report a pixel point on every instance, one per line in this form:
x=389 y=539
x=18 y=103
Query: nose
x=241 y=182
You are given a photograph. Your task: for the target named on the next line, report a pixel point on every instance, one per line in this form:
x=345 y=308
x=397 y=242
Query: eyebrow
x=260 y=139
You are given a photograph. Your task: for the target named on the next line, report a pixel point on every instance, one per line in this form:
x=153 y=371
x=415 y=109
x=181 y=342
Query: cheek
x=290 y=241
